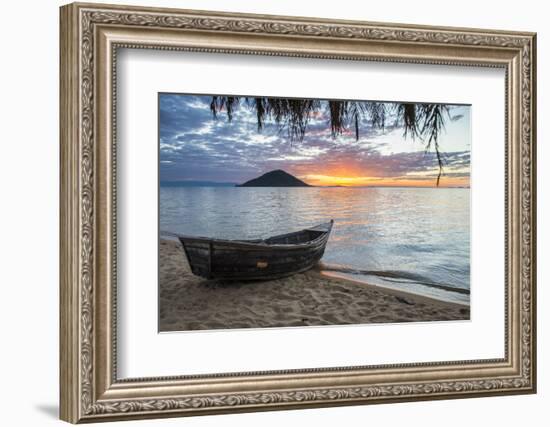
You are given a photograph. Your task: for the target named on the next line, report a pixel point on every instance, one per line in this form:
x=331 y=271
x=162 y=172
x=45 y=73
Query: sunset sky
x=196 y=147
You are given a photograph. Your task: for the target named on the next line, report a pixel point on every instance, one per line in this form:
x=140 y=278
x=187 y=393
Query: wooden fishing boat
x=271 y=258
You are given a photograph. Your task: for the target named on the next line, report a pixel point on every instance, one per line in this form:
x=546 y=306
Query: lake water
x=413 y=239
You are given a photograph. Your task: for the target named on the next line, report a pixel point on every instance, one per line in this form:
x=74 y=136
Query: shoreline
x=313 y=298
x=393 y=291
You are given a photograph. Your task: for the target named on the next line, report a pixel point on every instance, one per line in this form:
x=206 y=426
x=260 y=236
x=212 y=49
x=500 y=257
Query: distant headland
x=191 y=183
x=275 y=178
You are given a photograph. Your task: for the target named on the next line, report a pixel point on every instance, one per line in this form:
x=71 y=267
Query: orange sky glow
x=351 y=173
x=363 y=181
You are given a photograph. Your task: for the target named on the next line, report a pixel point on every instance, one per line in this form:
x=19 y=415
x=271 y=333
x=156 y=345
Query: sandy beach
x=188 y=302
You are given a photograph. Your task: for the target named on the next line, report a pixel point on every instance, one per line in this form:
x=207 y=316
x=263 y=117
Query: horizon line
x=236 y=184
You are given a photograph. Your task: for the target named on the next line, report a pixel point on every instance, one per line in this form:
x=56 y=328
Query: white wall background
x=29 y=170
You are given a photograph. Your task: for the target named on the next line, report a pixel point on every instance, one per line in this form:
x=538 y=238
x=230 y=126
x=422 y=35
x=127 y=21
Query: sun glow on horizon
x=366 y=181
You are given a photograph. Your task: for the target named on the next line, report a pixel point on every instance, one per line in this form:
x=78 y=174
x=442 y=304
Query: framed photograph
x=266 y=212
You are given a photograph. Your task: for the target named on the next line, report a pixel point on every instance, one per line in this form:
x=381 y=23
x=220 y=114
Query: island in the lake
x=276 y=178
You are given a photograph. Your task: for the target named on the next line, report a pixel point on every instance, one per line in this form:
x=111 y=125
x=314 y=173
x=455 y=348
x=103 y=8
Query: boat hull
x=268 y=259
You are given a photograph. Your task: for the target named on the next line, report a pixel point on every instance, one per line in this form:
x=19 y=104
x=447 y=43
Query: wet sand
x=188 y=302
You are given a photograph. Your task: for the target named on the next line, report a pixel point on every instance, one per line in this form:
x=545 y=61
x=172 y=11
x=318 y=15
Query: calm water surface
x=414 y=239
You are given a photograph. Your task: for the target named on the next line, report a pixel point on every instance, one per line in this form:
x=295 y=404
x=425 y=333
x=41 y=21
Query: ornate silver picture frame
x=91 y=35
